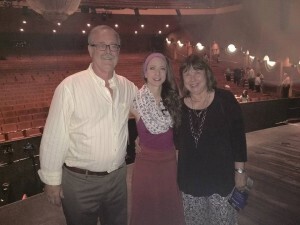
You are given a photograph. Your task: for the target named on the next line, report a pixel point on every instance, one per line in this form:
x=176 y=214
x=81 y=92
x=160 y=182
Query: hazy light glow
x=83 y=31
x=54 y=31
x=135 y=32
x=116 y=25
x=266 y=58
x=168 y=41
x=251 y=57
x=199 y=46
x=88 y=25
x=21 y=29
x=58 y=24
x=159 y=31
x=142 y=25
x=24 y=21
x=167 y=25
x=179 y=43
x=271 y=63
x=231 y=48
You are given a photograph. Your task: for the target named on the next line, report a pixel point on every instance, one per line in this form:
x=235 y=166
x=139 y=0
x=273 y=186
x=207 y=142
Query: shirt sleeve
x=237 y=130
x=55 y=139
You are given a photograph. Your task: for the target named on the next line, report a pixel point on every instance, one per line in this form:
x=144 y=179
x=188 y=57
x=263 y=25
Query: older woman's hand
x=240 y=180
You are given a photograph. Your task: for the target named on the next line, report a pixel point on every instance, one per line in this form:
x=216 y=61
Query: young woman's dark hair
x=169 y=93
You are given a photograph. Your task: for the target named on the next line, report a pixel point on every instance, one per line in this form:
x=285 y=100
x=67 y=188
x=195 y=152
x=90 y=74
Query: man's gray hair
x=99 y=28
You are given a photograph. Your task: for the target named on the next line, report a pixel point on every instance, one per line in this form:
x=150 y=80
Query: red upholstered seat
x=24 y=125
x=15 y=135
x=2 y=138
x=11 y=127
x=11 y=120
x=33 y=132
x=25 y=118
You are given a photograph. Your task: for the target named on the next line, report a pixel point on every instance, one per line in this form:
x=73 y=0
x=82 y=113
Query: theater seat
x=15 y=135
x=2 y=138
x=24 y=125
x=11 y=120
x=7 y=128
x=33 y=132
x=39 y=123
x=12 y=132
x=25 y=118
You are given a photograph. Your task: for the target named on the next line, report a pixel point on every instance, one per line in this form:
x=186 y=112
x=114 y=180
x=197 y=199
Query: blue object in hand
x=238 y=199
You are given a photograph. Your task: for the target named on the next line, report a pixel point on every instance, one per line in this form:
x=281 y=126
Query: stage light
x=199 y=46
x=179 y=43
x=231 y=48
x=271 y=63
x=266 y=58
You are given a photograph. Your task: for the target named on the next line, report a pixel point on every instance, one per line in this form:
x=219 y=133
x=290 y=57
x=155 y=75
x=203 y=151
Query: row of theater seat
x=16 y=131
x=22 y=123
x=13 y=117
x=26 y=83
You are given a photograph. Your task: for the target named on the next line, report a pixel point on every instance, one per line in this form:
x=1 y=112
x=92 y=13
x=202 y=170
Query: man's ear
x=90 y=49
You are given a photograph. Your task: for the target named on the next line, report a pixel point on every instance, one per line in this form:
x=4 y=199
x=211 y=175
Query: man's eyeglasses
x=102 y=47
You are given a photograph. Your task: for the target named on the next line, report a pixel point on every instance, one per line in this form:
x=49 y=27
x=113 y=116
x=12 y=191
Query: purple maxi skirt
x=156 y=199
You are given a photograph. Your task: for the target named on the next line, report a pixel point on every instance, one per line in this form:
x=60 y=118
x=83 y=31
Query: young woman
x=156 y=199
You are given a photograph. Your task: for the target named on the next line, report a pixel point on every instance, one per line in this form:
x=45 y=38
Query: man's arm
x=54 y=144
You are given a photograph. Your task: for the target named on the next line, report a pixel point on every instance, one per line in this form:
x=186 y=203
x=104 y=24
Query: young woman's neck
x=156 y=91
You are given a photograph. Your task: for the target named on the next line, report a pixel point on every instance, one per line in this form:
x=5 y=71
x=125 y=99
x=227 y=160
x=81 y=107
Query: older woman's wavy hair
x=197 y=63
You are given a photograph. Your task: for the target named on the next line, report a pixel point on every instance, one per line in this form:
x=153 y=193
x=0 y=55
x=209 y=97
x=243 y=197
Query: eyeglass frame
x=109 y=46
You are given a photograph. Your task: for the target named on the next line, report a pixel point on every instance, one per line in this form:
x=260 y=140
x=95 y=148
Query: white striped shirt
x=86 y=126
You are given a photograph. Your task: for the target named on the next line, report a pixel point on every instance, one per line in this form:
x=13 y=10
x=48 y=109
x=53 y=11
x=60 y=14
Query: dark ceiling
x=129 y=15
x=139 y=4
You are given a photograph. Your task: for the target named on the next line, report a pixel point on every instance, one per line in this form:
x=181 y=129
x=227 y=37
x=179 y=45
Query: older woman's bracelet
x=239 y=170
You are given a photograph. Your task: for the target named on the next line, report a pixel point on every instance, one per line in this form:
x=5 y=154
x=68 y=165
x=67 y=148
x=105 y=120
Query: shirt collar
x=99 y=80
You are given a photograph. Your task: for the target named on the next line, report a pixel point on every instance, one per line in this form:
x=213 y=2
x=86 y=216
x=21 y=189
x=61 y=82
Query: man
x=251 y=78
x=83 y=147
x=285 y=86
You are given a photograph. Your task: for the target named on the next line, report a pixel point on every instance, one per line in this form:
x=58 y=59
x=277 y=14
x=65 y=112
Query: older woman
x=212 y=147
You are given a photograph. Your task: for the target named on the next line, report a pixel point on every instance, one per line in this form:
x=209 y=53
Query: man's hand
x=137 y=145
x=54 y=194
